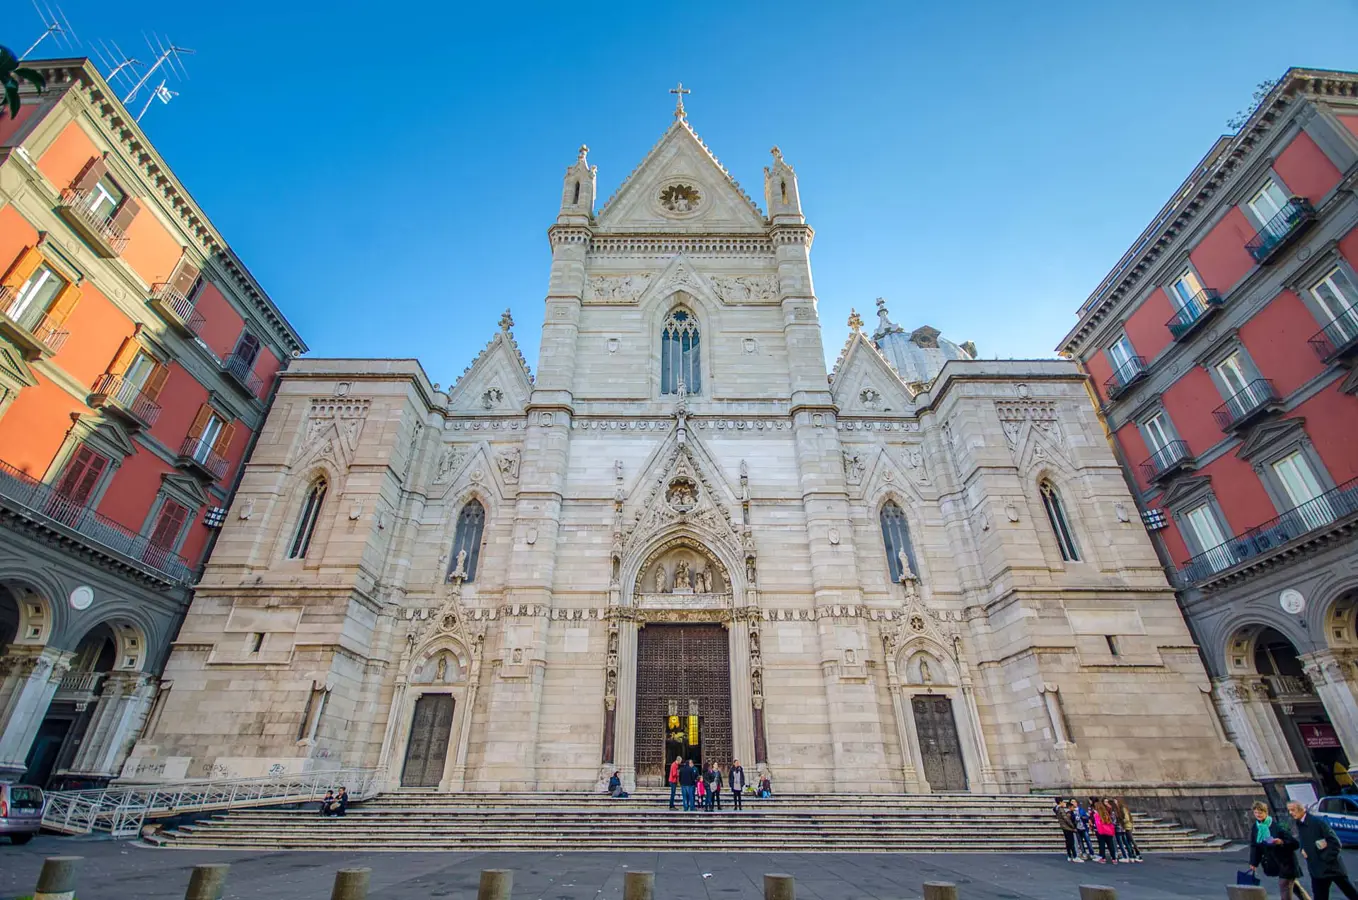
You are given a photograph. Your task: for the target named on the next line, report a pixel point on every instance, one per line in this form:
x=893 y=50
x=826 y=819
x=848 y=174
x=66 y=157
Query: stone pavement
x=124 y=871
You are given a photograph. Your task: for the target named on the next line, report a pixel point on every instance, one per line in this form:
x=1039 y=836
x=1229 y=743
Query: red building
x=1222 y=349
x=137 y=359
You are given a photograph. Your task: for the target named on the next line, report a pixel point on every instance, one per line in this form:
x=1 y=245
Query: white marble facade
x=763 y=477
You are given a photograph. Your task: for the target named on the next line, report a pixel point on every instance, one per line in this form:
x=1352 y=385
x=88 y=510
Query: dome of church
x=918 y=355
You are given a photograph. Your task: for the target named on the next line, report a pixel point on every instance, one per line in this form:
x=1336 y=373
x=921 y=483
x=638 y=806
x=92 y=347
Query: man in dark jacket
x=1320 y=846
x=688 y=784
x=1274 y=849
x=736 y=779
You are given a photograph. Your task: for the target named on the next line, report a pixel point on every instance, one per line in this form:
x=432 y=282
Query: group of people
x=333 y=804
x=701 y=787
x=1109 y=821
x=1273 y=848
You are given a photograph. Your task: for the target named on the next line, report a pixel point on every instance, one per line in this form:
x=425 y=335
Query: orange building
x=137 y=361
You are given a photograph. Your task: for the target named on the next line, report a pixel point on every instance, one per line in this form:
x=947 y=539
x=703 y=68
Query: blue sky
x=388 y=171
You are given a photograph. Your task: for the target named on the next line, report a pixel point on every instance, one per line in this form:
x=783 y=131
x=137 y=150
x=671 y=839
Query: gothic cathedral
x=918 y=572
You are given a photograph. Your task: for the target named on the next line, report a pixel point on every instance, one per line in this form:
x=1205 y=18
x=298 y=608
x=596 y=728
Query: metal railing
x=1124 y=376
x=80 y=682
x=1165 y=460
x=129 y=397
x=121 y=810
x=1242 y=405
x=1194 y=310
x=44 y=503
x=1280 y=229
x=79 y=205
x=201 y=454
x=176 y=306
x=1339 y=335
x=44 y=333
x=242 y=370
x=1288 y=686
x=1298 y=521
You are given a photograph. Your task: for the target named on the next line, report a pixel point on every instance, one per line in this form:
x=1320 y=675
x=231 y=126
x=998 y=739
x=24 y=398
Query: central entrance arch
x=683 y=697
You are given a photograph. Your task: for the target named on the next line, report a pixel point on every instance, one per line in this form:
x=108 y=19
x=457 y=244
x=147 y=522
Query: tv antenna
x=167 y=54
x=58 y=26
x=161 y=93
x=115 y=61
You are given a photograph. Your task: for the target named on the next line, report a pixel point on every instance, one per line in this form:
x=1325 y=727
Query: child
x=1081 y=816
x=702 y=792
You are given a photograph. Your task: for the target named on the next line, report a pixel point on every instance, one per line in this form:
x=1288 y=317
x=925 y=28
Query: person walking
x=1067 y=823
x=735 y=778
x=1320 y=846
x=674 y=780
x=1081 y=817
x=1104 y=829
x=1125 y=840
x=714 y=787
x=688 y=780
x=1274 y=849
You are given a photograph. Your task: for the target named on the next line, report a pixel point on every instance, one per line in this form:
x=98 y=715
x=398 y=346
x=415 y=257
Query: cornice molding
x=667 y=245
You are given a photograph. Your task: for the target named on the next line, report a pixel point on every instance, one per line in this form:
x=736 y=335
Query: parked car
x=20 y=811
x=1342 y=814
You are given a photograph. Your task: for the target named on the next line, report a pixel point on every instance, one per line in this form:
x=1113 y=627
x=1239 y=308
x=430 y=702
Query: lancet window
x=467 y=541
x=895 y=538
x=679 y=354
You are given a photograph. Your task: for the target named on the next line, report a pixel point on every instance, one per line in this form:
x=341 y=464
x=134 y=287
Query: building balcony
x=242 y=373
x=33 y=335
x=1332 y=510
x=126 y=398
x=98 y=231
x=1339 y=338
x=196 y=453
x=1281 y=230
x=1164 y=462
x=176 y=309
x=1195 y=311
x=79 y=687
x=1256 y=399
x=1126 y=375
x=43 y=505
x=1290 y=688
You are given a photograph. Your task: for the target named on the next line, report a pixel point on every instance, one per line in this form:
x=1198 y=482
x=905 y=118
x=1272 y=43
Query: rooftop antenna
x=165 y=52
x=57 y=25
x=112 y=58
x=161 y=93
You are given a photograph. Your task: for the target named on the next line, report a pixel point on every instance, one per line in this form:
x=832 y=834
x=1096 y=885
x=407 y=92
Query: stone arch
x=1337 y=611
x=1241 y=644
x=489 y=500
x=1070 y=504
x=643 y=561
x=131 y=639
x=942 y=669
x=909 y=504
x=296 y=500
x=704 y=309
x=456 y=662
x=28 y=616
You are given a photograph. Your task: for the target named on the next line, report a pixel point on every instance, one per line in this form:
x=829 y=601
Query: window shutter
x=185 y=274
x=126 y=353
x=81 y=475
x=223 y=442
x=168 y=525
x=62 y=306
x=125 y=214
x=200 y=421
x=90 y=175
x=23 y=267
x=155 y=382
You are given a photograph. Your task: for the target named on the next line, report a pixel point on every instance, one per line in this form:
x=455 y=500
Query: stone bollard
x=638 y=886
x=206 y=882
x=779 y=887
x=1245 y=892
x=351 y=884
x=56 y=881
x=940 y=890
x=496 y=884
x=1097 y=892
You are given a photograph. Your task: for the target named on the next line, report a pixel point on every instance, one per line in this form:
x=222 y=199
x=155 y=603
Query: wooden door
x=688 y=666
x=430 y=731
x=939 y=746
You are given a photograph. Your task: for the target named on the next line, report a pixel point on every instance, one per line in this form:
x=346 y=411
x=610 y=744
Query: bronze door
x=427 y=750
x=688 y=666
x=938 y=743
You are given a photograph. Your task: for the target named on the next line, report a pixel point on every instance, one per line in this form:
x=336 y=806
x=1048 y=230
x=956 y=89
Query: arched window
x=467 y=539
x=679 y=354
x=896 y=537
x=306 y=524
x=1056 y=514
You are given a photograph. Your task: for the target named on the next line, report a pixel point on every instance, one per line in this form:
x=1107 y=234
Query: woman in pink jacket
x=1105 y=826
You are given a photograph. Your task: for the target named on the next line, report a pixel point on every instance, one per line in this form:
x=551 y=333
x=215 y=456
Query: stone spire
x=884 y=324
x=577 y=190
x=780 y=190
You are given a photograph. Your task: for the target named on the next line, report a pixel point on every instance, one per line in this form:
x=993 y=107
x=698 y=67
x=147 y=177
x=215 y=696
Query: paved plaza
x=121 y=871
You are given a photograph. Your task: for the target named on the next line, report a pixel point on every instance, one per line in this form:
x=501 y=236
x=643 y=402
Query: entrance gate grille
x=681 y=663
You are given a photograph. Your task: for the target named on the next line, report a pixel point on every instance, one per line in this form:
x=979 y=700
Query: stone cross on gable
x=506 y=321
x=680 y=91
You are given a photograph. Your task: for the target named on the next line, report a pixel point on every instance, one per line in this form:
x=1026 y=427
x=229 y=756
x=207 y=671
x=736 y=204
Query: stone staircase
x=844 y=823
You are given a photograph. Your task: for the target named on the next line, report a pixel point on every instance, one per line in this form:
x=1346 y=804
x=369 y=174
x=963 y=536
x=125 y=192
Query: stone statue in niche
x=613 y=642
x=853 y=468
x=460 y=567
x=907 y=573
x=702 y=581
x=925 y=676
x=508 y=461
x=757 y=680
x=660 y=586
x=443 y=668
x=682 y=579
x=518 y=655
x=682 y=495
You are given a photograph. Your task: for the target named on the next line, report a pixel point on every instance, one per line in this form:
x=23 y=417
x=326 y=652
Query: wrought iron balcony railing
x=38 y=339
x=1338 y=338
x=1196 y=310
x=1169 y=458
x=1312 y=516
x=121 y=395
x=1281 y=230
x=77 y=209
x=1127 y=374
x=1254 y=399
x=242 y=370
x=44 y=503
x=176 y=308
x=198 y=452
x=1289 y=687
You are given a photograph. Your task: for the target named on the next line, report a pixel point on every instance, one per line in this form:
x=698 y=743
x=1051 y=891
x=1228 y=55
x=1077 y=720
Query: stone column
x=1250 y=722
x=122 y=708
x=395 y=714
x=625 y=712
x=989 y=784
x=29 y=676
x=458 y=780
x=1332 y=676
x=742 y=694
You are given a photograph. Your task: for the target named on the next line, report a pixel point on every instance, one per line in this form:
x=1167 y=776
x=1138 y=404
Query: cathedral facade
x=686 y=537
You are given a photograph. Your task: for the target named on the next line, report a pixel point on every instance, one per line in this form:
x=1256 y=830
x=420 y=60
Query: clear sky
x=388 y=170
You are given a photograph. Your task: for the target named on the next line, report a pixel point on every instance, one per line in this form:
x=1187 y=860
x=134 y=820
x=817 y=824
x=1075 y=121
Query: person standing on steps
x=1081 y=817
x=1125 y=841
x=701 y=789
x=674 y=780
x=736 y=780
x=1321 y=848
x=714 y=787
x=688 y=781
x=1067 y=823
x=1105 y=829
x=1274 y=849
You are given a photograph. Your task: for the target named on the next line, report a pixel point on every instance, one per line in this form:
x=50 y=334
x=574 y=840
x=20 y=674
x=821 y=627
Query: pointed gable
x=497 y=380
x=680 y=186
x=864 y=382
